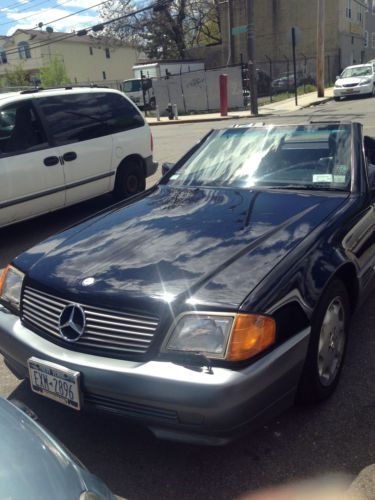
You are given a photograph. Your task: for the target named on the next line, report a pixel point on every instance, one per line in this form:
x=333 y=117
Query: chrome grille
x=106 y=330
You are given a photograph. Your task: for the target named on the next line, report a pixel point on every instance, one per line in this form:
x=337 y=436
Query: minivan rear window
x=118 y=113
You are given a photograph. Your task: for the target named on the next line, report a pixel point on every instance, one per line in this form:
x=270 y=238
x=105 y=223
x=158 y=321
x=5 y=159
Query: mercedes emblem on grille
x=72 y=322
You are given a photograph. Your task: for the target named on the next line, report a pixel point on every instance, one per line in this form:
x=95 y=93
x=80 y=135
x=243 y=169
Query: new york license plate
x=55 y=382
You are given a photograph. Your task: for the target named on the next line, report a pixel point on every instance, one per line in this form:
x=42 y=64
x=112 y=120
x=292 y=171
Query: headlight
x=366 y=81
x=231 y=337
x=338 y=85
x=11 y=285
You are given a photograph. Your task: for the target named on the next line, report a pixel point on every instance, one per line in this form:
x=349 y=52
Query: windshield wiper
x=306 y=187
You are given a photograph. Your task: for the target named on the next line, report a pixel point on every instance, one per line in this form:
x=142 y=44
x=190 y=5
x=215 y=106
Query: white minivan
x=62 y=146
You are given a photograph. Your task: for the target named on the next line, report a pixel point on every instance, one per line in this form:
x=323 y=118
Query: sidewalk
x=285 y=106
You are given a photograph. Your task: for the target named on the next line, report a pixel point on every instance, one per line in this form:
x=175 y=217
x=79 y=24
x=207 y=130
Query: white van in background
x=144 y=73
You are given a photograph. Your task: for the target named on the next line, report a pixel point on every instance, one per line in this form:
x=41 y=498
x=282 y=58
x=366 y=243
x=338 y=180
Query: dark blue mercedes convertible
x=214 y=299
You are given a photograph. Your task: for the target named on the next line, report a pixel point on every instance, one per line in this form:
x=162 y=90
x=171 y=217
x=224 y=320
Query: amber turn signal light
x=2 y=278
x=251 y=334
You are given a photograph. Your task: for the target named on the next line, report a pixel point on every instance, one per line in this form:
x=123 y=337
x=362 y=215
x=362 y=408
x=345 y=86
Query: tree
x=16 y=78
x=168 y=32
x=54 y=74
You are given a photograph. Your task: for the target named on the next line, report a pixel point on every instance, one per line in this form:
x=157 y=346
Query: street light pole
x=320 y=48
x=251 y=68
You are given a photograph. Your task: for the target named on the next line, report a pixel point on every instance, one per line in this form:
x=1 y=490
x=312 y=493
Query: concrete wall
x=199 y=90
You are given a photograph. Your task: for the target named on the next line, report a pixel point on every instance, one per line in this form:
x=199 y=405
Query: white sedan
x=359 y=79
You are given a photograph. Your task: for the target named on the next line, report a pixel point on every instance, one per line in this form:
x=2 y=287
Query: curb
x=233 y=117
x=317 y=103
x=196 y=120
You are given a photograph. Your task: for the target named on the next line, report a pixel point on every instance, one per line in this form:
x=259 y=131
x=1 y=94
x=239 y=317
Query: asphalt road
x=337 y=436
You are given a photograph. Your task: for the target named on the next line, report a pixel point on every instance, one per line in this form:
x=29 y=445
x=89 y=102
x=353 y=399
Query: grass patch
x=303 y=89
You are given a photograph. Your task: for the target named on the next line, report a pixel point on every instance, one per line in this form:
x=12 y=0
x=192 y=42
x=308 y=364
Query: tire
x=327 y=346
x=130 y=180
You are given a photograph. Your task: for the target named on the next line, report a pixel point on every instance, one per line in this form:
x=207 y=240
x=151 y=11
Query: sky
x=26 y=14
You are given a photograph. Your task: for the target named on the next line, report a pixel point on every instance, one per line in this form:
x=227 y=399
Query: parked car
x=285 y=83
x=59 y=147
x=206 y=304
x=34 y=465
x=355 y=80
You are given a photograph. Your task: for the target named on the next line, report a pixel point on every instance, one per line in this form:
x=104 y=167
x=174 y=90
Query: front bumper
x=173 y=401
x=348 y=91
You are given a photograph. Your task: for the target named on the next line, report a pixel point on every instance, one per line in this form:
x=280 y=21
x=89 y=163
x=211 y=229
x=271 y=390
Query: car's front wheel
x=329 y=333
x=130 y=179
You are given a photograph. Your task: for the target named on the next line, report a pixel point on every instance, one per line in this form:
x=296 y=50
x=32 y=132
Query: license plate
x=55 y=382
x=350 y=91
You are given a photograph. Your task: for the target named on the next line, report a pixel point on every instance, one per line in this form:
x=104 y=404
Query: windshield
x=359 y=71
x=131 y=86
x=302 y=157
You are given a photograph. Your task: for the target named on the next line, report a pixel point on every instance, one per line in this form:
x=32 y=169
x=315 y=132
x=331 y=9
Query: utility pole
x=251 y=68
x=320 y=48
x=230 y=36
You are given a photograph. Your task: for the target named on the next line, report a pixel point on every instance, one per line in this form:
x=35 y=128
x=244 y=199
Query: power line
x=50 y=22
x=75 y=13
x=16 y=4
x=28 y=8
x=97 y=27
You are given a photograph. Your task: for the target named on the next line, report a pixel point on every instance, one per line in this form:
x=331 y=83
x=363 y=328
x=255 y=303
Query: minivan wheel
x=130 y=180
x=328 y=339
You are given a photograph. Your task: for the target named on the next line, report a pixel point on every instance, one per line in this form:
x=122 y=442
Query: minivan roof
x=9 y=97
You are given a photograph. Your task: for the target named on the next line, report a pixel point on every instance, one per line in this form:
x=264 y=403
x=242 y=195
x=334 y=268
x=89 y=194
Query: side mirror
x=166 y=167
x=337 y=77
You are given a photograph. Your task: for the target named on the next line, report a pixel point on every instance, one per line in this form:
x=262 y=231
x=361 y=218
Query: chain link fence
x=275 y=78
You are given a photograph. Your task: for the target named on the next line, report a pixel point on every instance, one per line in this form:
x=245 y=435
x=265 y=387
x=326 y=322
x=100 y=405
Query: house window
x=359 y=16
x=107 y=54
x=91 y=51
x=24 y=50
x=105 y=76
x=373 y=41
x=366 y=39
x=348 y=10
x=3 y=56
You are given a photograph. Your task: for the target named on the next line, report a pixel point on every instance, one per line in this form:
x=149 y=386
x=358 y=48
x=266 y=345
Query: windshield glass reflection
x=302 y=157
